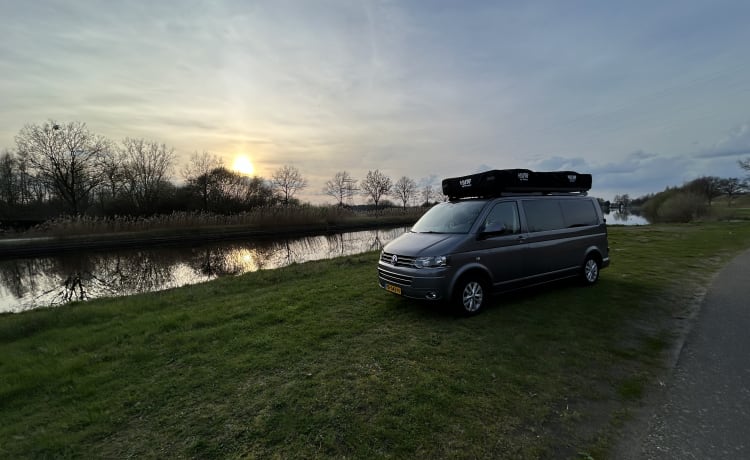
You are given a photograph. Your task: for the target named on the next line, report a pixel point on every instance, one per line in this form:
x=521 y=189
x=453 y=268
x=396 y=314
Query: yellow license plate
x=393 y=289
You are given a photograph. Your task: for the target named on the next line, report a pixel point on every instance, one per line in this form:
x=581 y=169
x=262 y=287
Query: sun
x=243 y=165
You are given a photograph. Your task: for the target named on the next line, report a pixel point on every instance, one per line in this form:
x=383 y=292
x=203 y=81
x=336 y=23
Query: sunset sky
x=641 y=94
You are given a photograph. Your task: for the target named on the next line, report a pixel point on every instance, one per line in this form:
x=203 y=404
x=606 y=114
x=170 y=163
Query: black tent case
x=498 y=181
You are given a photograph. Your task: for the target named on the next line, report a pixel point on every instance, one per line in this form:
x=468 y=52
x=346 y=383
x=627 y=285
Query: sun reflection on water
x=31 y=283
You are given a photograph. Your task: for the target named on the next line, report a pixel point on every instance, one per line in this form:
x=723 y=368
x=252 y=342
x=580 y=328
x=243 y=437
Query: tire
x=590 y=271
x=471 y=295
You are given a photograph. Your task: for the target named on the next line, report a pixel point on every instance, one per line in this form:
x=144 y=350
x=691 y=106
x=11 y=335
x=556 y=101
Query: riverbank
x=314 y=360
x=38 y=244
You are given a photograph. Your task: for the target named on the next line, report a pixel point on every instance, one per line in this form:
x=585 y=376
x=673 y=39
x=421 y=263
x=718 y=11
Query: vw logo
x=394 y=259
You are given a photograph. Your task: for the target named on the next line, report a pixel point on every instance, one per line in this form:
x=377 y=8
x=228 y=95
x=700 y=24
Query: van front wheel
x=590 y=270
x=471 y=296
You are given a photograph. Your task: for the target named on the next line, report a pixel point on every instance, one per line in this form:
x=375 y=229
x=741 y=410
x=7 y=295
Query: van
x=516 y=229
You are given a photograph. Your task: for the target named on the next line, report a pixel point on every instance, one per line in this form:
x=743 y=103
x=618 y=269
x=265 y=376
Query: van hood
x=424 y=244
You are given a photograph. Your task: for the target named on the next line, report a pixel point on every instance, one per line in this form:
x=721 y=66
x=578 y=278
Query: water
x=625 y=218
x=37 y=282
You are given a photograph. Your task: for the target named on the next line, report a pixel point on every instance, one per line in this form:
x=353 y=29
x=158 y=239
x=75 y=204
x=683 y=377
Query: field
x=315 y=361
x=738 y=210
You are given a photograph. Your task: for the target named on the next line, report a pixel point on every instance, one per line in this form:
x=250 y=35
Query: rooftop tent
x=499 y=181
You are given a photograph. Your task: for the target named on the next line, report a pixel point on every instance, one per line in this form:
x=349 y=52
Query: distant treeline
x=65 y=169
x=689 y=202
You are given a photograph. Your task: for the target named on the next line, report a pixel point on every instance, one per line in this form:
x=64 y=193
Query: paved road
x=705 y=412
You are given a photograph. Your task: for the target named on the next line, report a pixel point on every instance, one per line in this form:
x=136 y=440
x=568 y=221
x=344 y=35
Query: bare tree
x=745 y=164
x=623 y=200
x=146 y=168
x=427 y=193
x=228 y=185
x=286 y=181
x=708 y=186
x=222 y=190
x=67 y=157
x=9 y=179
x=17 y=186
x=197 y=174
x=114 y=177
x=731 y=188
x=376 y=185
x=405 y=189
x=231 y=191
x=33 y=188
x=27 y=185
x=341 y=187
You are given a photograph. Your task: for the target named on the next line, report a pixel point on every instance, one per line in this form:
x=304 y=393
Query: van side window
x=543 y=215
x=579 y=213
x=503 y=216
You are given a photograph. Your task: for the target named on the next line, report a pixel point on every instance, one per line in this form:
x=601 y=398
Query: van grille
x=401 y=261
x=394 y=277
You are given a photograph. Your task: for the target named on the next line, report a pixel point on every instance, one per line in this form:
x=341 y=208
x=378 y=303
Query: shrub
x=681 y=206
x=650 y=209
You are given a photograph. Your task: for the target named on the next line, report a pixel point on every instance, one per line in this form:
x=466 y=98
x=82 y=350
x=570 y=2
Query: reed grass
x=272 y=218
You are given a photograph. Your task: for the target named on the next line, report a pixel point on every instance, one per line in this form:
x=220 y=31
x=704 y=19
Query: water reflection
x=624 y=216
x=51 y=281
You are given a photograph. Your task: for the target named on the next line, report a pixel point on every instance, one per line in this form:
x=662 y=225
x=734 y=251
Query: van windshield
x=449 y=217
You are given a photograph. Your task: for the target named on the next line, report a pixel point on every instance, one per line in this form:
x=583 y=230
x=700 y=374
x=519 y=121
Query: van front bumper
x=423 y=284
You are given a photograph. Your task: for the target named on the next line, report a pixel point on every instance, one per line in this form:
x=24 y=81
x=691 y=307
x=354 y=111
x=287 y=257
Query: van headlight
x=431 y=262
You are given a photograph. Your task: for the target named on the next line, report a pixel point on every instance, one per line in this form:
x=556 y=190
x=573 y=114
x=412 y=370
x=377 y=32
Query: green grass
x=315 y=361
x=721 y=209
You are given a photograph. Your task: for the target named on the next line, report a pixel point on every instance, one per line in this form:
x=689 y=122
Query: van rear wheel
x=471 y=295
x=590 y=272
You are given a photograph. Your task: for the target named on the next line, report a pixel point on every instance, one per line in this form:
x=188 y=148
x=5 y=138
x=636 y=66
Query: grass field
x=739 y=209
x=315 y=361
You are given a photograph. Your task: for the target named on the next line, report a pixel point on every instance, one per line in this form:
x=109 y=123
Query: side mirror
x=493 y=229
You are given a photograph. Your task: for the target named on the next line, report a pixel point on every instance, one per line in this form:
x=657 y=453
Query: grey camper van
x=500 y=230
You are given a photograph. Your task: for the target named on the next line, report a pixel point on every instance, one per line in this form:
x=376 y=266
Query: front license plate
x=393 y=289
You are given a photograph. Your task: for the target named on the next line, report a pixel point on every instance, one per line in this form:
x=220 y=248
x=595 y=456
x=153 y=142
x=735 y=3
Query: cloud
x=482 y=167
x=628 y=164
x=735 y=143
x=558 y=163
x=641 y=155
x=432 y=179
x=411 y=88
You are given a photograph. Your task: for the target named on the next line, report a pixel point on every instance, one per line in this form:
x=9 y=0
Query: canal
x=37 y=282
